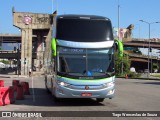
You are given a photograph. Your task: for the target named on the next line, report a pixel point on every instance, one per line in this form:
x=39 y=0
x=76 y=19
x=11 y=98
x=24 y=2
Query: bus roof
x=76 y=16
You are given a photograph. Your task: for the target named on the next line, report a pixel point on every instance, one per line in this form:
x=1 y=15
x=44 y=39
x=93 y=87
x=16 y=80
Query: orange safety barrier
x=4 y=96
x=25 y=86
x=1 y=83
x=20 y=94
x=15 y=83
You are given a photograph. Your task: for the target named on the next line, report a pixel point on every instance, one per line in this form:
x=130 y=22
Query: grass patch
x=156 y=75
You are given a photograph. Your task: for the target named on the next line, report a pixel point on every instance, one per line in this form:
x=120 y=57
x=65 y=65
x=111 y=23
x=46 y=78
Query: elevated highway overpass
x=15 y=38
x=144 y=43
x=139 y=57
x=10 y=38
x=9 y=54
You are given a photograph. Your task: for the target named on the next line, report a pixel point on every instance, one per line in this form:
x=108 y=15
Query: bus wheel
x=99 y=99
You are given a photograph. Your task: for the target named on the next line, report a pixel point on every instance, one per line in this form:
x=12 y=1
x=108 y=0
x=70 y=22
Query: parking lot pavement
x=131 y=95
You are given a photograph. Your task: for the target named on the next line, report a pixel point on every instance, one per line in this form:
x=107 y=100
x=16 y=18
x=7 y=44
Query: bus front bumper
x=64 y=92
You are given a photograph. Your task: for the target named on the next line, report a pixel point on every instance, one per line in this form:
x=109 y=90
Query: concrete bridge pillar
x=30 y=23
x=47 y=52
x=39 y=60
x=26 y=51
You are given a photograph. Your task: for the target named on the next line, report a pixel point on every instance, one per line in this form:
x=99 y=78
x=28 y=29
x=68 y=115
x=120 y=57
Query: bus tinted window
x=84 y=30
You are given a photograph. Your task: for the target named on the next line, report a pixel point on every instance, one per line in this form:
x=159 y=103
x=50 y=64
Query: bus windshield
x=84 y=30
x=79 y=62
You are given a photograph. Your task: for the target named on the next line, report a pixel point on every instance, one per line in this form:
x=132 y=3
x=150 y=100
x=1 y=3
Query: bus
x=82 y=58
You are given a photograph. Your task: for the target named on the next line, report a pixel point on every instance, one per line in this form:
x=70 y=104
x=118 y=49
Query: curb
x=11 y=76
x=142 y=78
x=4 y=77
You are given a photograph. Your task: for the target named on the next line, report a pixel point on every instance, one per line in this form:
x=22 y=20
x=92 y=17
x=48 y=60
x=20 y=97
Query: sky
x=130 y=11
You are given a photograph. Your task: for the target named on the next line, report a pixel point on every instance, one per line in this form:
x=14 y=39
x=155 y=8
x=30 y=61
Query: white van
x=2 y=65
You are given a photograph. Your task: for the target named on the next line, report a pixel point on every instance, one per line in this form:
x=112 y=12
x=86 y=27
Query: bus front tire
x=99 y=99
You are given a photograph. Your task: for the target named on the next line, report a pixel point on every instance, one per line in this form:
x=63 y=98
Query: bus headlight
x=110 y=84
x=62 y=83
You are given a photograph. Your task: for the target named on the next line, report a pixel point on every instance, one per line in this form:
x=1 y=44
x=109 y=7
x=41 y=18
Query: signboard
x=27 y=20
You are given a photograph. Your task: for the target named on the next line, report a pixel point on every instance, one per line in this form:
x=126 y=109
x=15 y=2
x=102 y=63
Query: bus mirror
x=53 y=45
x=120 y=47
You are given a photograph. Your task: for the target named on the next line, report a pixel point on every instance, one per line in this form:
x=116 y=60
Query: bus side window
x=63 y=67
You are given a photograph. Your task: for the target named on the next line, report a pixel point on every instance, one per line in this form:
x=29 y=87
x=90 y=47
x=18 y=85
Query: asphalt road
x=131 y=95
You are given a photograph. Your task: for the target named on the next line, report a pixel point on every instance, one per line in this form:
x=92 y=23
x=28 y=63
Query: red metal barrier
x=20 y=94
x=1 y=83
x=1 y=98
x=25 y=86
x=4 y=96
x=15 y=83
x=11 y=95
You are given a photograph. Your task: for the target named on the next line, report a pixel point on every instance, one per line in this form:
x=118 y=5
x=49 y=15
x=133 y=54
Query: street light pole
x=23 y=57
x=149 y=49
x=118 y=18
x=149 y=26
x=118 y=33
x=52 y=6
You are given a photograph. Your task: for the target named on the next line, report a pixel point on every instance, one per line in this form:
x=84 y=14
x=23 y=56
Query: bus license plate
x=86 y=94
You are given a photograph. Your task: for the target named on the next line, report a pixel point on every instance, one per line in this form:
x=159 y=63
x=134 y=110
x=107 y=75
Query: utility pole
x=149 y=37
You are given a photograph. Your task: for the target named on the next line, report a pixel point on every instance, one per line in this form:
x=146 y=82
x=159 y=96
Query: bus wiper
x=64 y=73
x=109 y=73
x=106 y=73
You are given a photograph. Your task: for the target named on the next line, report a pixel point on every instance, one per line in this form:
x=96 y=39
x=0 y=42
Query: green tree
x=155 y=66
x=5 y=61
x=118 y=64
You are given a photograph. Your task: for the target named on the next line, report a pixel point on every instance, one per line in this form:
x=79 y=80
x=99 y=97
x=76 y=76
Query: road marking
x=149 y=118
x=33 y=94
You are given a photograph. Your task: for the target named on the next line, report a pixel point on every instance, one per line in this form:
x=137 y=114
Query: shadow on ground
x=9 y=71
x=40 y=97
x=152 y=83
x=149 y=83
